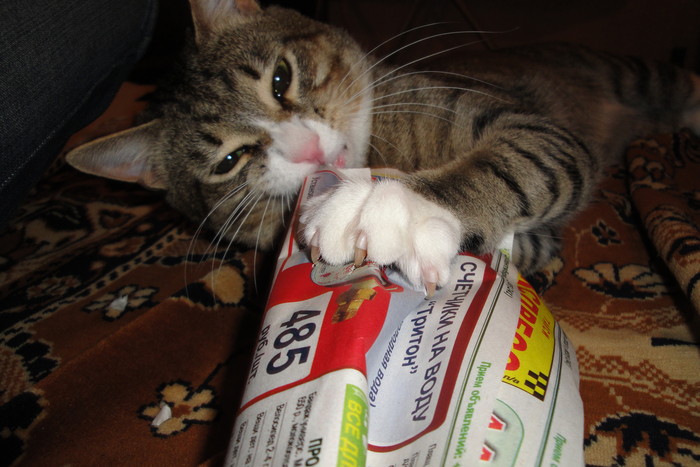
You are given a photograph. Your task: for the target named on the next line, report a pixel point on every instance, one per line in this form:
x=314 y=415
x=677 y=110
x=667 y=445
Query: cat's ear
x=212 y=15
x=127 y=156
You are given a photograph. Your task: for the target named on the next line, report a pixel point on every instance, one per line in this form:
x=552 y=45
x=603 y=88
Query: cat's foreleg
x=525 y=179
x=528 y=179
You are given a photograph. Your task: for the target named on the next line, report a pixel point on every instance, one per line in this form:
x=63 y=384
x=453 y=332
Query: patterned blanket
x=111 y=305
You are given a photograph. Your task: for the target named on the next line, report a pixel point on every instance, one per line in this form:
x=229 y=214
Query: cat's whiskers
x=225 y=198
x=201 y=227
x=394 y=70
x=279 y=199
x=415 y=112
x=381 y=81
x=232 y=218
x=226 y=225
x=401 y=153
x=250 y=210
x=424 y=88
x=356 y=116
x=213 y=249
x=359 y=101
x=379 y=152
x=257 y=242
x=438 y=72
x=234 y=215
x=288 y=198
x=364 y=57
x=439 y=107
x=418 y=104
x=373 y=111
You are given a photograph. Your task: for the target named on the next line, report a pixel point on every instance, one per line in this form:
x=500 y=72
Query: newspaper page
x=354 y=367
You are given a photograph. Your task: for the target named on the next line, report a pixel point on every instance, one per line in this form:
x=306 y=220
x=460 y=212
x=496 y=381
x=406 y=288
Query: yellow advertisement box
x=530 y=360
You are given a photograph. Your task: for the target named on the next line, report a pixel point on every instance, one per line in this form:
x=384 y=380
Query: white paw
x=392 y=223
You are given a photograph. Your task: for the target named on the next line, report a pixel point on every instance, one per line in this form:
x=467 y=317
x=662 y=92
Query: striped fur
x=512 y=142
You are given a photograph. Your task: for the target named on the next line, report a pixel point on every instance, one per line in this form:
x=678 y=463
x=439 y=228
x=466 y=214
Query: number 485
x=289 y=336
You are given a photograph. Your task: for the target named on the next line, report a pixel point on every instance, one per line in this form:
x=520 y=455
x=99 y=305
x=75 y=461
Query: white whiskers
x=394 y=70
x=198 y=232
x=415 y=112
x=257 y=242
x=377 y=47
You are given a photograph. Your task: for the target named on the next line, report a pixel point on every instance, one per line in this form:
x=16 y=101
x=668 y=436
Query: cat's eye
x=281 y=79
x=230 y=161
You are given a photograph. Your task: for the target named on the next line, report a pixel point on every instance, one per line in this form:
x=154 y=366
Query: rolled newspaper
x=354 y=367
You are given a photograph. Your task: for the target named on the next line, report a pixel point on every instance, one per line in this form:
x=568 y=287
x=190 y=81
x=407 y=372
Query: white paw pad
x=392 y=223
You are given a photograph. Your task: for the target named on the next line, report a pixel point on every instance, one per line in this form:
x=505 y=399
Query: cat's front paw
x=387 y=222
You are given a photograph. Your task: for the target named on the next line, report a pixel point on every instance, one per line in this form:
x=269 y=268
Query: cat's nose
x=311 y=151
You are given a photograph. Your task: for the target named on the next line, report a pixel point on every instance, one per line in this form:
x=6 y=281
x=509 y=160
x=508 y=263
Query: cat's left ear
x=213 y=15
x=129 y=156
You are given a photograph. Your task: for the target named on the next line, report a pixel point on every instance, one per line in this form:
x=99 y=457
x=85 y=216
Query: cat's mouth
x=285 y=172
x=300 y=147
x=339 y=162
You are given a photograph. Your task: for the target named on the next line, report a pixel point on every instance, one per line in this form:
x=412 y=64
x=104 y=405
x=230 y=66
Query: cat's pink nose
x=311 y=152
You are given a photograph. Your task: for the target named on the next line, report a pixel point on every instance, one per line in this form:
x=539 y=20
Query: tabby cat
x=262 y=98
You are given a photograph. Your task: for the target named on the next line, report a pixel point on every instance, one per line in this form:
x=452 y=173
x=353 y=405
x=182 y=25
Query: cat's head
x=259 y=100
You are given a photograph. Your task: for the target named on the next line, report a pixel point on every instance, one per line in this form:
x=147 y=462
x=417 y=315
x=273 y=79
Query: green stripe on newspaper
x=462 y=398
x=352 y=448
x=552 y=407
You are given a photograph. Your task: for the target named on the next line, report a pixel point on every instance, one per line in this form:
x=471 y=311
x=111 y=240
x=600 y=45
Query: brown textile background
x=636 y=334
x=665 y=187
x=80 y=380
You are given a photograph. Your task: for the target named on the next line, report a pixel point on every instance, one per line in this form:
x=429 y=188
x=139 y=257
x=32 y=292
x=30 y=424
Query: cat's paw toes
x=389 y=224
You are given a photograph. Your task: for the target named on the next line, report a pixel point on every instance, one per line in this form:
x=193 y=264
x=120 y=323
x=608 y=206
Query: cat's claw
x=430 y=276
x=430 y=279
x=360 y=249
x=387 y=223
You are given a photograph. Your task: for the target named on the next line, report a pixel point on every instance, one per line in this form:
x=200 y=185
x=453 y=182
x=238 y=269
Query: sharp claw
x=360 y=249
x=430 y=278
x=360 y=256
x=430 y=289
x=315 y=251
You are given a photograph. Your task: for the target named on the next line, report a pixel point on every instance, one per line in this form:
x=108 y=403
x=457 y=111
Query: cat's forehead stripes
x=197 y=156
x=206 y=117
x=210 y=138
x=309 y=36
x=250 y=71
